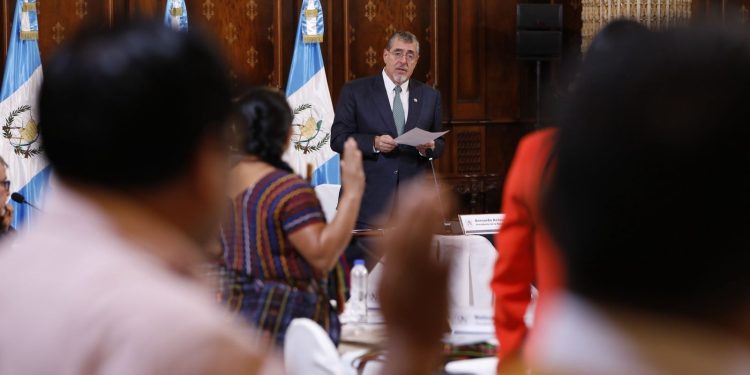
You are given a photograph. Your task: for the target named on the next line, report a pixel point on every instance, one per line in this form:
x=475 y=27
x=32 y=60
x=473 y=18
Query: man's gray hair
x=403 y=36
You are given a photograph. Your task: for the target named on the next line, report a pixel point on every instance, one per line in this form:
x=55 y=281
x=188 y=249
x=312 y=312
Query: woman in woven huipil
x=278 y=249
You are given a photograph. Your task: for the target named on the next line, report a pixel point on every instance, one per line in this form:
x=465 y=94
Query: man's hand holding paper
x=427 y=146
x=419 y=138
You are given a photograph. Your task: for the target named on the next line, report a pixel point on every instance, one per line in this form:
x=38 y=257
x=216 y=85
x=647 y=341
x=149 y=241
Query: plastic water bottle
x=358 y=300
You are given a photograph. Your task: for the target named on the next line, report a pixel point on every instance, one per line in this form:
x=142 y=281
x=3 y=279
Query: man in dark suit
x=375 y=111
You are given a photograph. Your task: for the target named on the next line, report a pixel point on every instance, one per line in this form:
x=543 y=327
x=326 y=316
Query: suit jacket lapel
x=380 y=99
x=415 y=106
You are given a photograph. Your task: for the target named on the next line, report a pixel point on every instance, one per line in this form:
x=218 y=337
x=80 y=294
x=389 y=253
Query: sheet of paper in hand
x=417 y=136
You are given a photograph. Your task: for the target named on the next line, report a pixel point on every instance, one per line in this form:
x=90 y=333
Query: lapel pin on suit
x=415 y=100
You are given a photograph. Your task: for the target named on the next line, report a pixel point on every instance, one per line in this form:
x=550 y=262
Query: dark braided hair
x=263 y=122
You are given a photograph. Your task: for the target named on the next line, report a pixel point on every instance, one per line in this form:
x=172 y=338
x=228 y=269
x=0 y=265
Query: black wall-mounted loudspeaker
x=539 y=31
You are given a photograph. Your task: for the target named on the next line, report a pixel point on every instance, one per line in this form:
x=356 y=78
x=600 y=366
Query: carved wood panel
x=475 y=194
x=249 y=33
x=468 y=93
x=149 y=8
x=59 y=20
x=469 y=147
x=506 y=78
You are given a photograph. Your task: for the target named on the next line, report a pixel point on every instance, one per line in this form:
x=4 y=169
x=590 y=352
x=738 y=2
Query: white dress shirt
x=389 y=86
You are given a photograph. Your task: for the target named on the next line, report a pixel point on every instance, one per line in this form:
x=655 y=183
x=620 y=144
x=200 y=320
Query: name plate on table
x=481 y=224
x=472 y=320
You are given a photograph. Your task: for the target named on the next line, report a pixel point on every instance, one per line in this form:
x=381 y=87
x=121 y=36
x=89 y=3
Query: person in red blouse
x=527 y=254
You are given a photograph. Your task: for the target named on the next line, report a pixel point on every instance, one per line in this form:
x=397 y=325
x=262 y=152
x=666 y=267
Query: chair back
x=309 y=351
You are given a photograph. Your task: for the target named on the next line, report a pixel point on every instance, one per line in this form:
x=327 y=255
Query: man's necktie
x=398 y=111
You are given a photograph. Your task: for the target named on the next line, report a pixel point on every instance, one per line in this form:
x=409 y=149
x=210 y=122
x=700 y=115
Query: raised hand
x=414 y=287
x=352 y=174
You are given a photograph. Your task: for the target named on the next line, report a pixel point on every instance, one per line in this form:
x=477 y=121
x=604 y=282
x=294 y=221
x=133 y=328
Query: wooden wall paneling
x=444 y=58
x=150 y=8
x=492 y=188
x=474 y=194
x=333 y=44
x=118 y=12
x=446 y=164
x=424 y=23
x=469 y=149
x=500 y=142
x=444 y=52
x=248 y=33
x=468 y=92
x=365 y=24
x=288 y=13
x=503 y=69
x=278 y=75
x=7 y=13
x=699 y=7
x=61 y=19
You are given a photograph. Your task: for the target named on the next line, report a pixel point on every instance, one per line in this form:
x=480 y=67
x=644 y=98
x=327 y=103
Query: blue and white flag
x=28 y=170
x=308 y=95
x=175 y=15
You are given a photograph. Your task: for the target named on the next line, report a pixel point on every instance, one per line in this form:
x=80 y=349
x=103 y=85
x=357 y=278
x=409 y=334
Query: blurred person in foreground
x=526 y=253
x=280 y=271
x=649 y=204
x=414 y=285
x=132 y=122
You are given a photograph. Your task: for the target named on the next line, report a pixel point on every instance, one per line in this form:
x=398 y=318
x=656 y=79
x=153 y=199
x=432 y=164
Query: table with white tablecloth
x=472 y=261
x=471 y=301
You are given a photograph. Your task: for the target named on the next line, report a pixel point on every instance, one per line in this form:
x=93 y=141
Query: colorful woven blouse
x=267 y=280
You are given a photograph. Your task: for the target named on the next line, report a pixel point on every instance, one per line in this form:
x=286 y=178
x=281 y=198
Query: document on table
x=418 y=136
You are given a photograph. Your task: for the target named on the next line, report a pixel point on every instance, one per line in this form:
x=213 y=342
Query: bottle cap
x=359 y=262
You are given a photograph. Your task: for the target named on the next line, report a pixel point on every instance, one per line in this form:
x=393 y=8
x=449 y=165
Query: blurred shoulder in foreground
x=132 y=123
x=648 y=204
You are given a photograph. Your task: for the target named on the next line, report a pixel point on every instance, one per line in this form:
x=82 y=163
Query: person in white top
x=649 y=204
x=108 y=280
